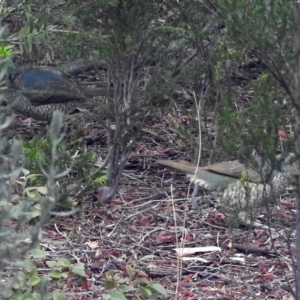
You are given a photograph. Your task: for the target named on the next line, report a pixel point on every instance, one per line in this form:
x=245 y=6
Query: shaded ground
x=150 y=216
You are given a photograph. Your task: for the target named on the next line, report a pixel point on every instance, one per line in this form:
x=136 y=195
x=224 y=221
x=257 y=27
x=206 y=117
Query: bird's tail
x=177 y=166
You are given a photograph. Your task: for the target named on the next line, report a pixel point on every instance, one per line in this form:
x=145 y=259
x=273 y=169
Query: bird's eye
x=13 y=76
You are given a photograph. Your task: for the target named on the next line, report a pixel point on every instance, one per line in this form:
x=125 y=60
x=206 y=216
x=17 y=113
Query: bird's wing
x=234 y=169
x=54 y=91
x=177 y=166
x=210 y=180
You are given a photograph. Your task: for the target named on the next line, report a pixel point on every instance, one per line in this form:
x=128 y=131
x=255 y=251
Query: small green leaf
x=5 y=51
x=146 y=291
x=142 y=281
x=109 y=284
x=51 y=263
x=58 y=274
x=38 y=253
x=116 y=296
x=32 y=191
x=20 y=278
x=126 y=288
x=110 y=273
x=30 y=296
x=159 y=288
x=34 y=280
x=131 y=271
x=63 y=262
x=58 y=296
x=29 y=264
x=78 y=269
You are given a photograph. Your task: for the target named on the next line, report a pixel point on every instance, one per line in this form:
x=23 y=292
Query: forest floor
x=150 y=216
